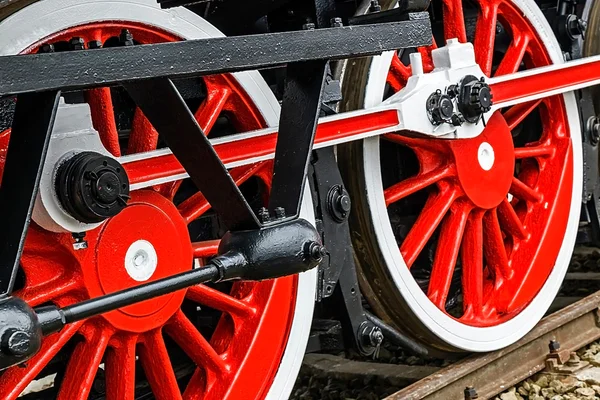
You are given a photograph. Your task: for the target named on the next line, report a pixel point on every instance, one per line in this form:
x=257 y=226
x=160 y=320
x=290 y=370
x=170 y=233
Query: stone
x=535 y=389
x=585 y=391
x=568 y=384
x=542 y=381
x=591 y=376
x=526 y=385
x=508 y=396
x=523 y=391
x=596 y=389
x=557 y=397
x=548 y=392
x=537 y=397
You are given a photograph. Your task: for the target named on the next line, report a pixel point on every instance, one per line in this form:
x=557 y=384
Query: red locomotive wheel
x=227 y=341
x=464 y=243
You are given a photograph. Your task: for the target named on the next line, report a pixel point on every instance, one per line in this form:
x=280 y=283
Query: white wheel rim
x=447 y=329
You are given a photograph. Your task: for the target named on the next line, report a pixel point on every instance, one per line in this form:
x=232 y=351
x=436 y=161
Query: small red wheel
x=464 y=243
x=228 y=341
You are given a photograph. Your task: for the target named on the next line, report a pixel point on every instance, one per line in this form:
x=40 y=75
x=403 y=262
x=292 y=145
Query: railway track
x=489 y=374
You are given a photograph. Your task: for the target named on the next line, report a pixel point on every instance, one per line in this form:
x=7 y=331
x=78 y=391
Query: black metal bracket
x=338 y=280
x=28 y=145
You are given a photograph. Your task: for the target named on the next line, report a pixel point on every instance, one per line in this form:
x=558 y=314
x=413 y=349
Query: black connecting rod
x=286 y=247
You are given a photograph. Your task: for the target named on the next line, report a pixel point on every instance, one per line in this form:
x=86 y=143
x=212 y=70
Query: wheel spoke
x=485 y=34
x=83 y=366
x=187 y=336
x=103 y=118
x=472 y=264
x=446 y=254
x=143 y=136
x=48 y=291
x=436 y=207
x=494 y=249
x=534 y=151
x=509 y=220
x=213 y=298
x=414 y=184
x=194 y=207
x=16 y=379
x=206 y=249
x=517 y=113
x=514 y=55
x=157 y=367
x=211 y=108
x=120 y=370
x=521 y=191
x=398 y=75
x=454 y=20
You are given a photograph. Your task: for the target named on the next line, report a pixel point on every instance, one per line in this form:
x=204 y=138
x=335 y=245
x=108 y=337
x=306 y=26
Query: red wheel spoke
x=517 y=113
x=157 y=367
x=485 y=34
x=414 y=184
x=209 y=111
x=426 y=144
x=427 y=57
x=194 y=344
x=83 y=366
x=534 y=151
x=194 y=207
x=143 y=136
x=206 y=249
x=454 y=20
x=16 y=379
x=120 y=371
x=429 y=219
x=398 y=75
x=521 y=191
x=509 y=220
x=446 y=254
x=213 y=298
x=49 y=291
x=494 y=249
x=103 y=118
x=514 y=56
x=472 y=263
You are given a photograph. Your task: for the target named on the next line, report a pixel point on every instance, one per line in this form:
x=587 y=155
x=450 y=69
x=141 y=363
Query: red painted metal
x=508 y=247
x=241 y=357
x=163 y=166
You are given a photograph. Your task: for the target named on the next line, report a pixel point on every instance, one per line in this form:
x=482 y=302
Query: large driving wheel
x=226 y=341
x=464 y=243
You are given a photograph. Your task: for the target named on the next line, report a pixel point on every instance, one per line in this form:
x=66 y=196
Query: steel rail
x=491 y=373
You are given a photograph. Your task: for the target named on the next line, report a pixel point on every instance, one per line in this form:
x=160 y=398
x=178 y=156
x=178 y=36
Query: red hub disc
x=236 y=359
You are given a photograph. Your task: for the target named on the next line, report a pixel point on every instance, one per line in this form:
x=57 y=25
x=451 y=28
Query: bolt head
x=554 y=346
x=77 y=43
x=94 y=44
x=18 y=343
x=280 y=212
x=316 y=251
x=309 y=26
x=344 y=203
x=337 y=22
x=470 y=393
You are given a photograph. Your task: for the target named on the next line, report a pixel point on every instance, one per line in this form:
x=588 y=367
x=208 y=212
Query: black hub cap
x=475 y=98
x=92 y=187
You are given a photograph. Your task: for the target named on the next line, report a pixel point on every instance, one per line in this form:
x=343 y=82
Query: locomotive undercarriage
x=447 y=220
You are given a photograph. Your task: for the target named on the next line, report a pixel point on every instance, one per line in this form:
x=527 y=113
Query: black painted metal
x=28 y=145
x=108 y=66
x=162 y=103
x=20 y=335
x=407 y=9
x=398 y=338
x=297 y=126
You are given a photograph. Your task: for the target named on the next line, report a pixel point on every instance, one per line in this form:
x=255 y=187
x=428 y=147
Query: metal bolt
x=77 y=43
x=126 y=38
x=264 y=216
x=315 y=251
x=280 y=213
x=80 y=242
x=336 y=22
x=554 y=346
x=574 y=360
x=376 y=337
x=471 y=393
x=375 y=6
x=309 y=26
x=47 y=48
x=16 y=342
x=94 y=44
x=593 y=130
